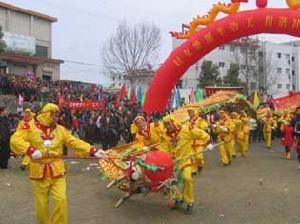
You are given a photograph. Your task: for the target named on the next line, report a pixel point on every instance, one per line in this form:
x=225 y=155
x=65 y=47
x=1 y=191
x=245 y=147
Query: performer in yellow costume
x=26 y=122
x=235 y=121
x=179 y=140
x=245 y=129
x=241 y=132
x=269 y=123
x=224 y=129
x=197 y=121
x=147 y=134
x=43 y=141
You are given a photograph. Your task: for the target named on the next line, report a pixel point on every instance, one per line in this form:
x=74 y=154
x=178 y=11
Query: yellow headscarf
x=45 y=117
x=170 y=118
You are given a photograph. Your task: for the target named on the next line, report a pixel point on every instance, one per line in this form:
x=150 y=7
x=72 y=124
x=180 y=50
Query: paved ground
x=262 y=189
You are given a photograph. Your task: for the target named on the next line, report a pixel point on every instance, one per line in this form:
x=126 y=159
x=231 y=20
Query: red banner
x=218 y=33
x=99 y=105
x=290 y=102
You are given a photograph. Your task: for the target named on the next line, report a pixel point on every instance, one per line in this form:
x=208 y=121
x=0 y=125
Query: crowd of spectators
x=107 y=126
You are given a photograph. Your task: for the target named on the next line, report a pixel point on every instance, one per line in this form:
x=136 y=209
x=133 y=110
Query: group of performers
x=40 y=139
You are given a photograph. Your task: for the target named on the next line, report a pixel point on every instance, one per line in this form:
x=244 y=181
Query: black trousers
x=4 y=154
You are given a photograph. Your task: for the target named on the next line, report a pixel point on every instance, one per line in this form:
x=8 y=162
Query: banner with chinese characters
x=216 y=34
x=290 y=102
x=96 y=105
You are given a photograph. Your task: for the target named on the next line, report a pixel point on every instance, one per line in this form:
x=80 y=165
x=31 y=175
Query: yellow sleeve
x=79 y=146
x=230 y=125
x=275 y=124
x=19 y=141
x=200 y=135
x=133 y=129
x=203 y=124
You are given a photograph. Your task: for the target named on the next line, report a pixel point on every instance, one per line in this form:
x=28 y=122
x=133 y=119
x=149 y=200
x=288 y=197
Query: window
x=120 y=77
x=287 y=56
x=252 y=67
x=252 y=51
x=293 y=58
x=288 y=86
x=232 y=48
x=279 y=70
x=222 y=48
x=289 y=62
x=221 y=64
x=287 y=71
x=278 y=55
x=243 y=50
x=260 y=54
x=120 y=84
x=47 y=76
x=113 y=78
x=243 y=67
x=293 y=72
x=41 y=51
x=279 y=86
x=294 y=87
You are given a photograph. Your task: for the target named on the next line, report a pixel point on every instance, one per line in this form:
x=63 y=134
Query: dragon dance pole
x=196 y=153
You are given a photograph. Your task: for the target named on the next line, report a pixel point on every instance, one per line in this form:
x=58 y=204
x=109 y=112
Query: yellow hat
x=45 y=117
x=170 y=118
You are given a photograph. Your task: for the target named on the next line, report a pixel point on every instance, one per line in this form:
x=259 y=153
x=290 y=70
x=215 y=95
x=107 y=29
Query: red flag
x=133 y=99
x=122 y=94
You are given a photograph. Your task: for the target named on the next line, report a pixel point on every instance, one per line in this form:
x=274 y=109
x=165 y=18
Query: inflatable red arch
x=240 y=24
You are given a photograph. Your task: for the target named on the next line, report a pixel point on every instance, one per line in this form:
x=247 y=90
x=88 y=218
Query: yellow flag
x=256 y=101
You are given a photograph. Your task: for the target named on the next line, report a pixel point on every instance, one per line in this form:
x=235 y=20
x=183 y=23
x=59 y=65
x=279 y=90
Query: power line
x=81 y=63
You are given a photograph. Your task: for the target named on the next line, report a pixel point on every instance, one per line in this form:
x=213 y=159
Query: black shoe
x=177 y=204
x=23 y=168
x=189 y=209
x=4 y=167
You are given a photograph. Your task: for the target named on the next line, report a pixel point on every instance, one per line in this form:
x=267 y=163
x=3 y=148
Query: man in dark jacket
x=109 y=132
x=4 y=139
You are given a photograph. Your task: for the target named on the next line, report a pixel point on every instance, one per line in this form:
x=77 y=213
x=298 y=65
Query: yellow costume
x=149 y=135
x=179 y=143
x=241 y=132
x=236 y=122
x=198 y=145
x=27 y=121
x=246 y=130
x=224 y=129
x=47 y=174
x=268 y=125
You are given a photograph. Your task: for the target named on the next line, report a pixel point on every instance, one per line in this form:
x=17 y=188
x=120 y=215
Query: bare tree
x=131 y=49
x=248 y=57
x=269 y=70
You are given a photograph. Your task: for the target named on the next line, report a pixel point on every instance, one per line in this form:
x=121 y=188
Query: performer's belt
x=44 y=161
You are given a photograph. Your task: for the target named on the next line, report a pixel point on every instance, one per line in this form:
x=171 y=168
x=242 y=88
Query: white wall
x=279 y=69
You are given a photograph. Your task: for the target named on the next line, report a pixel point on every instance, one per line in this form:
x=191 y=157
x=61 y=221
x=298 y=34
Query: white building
x=271 y=67
x=141 y=78
x=279 y=67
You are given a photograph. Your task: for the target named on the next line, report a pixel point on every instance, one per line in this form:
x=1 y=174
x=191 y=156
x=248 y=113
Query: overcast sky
x=84 y=25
